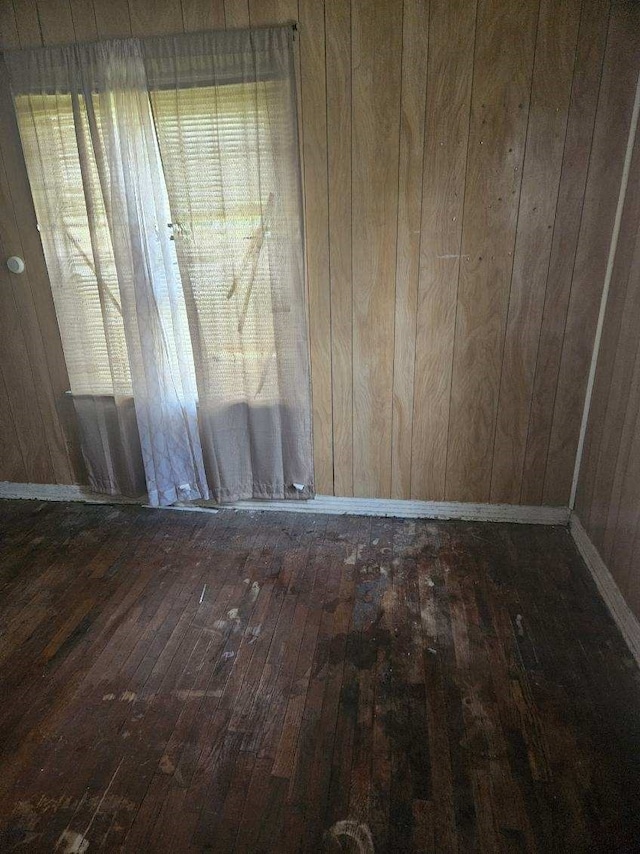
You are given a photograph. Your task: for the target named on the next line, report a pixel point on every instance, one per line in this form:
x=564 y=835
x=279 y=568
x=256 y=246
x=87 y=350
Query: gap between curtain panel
x=166 y=181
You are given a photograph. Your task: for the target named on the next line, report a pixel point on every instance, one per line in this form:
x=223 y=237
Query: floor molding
x=324 y=504
x=625 y=619
x=57 y=492
x=406 y=509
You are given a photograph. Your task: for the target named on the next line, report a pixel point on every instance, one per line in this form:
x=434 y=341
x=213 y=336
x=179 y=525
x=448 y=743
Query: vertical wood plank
x=12 y=467
x=265 y=12
x=28 y=23
x=550 y=95
x=601 y=197
x=113 y=18
x=20 y=229
x=8 y=26
x=83 y=14
x=285 y=11
x=56 y=22
x=500 y=101
x=452 y=29
x=314 y=144
x=618 y=509
x=623 y=559
x=202 y=15
x=338 y=35
x=584 y=98
x=376 y=114
x=623 y=405
x=44 y=402
x=415 y=51
x=614 y=370
x=149 y=18
x=236 y=13
x=631 y=588
x=21 y=390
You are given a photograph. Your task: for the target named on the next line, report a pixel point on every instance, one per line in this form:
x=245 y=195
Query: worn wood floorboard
x=257 y=682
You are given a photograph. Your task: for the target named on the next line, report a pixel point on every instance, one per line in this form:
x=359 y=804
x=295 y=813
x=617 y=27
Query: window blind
x=82 y=273
x=216 y=151
x=215 y=145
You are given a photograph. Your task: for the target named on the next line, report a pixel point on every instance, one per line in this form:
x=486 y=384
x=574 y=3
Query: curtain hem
x=255 y=492
x=111 y=489
x=266 y=492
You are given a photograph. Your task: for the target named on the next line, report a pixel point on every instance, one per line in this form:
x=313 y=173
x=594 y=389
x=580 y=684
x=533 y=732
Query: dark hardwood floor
x=176 y=682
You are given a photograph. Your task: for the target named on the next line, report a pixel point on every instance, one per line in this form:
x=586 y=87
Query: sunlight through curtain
x=166 y=183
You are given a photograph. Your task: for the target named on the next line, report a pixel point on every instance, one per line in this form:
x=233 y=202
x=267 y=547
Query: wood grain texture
x=338 y=45
x=21 y=387
x=13 y=467
x=83 y=15
x=609 y=491
x=28 y=23
x=594 y=24
x=550 y=94
x=614 y=467
x=623 y=509
x=45 y=404
x=433 y=682
x=8 y=26
x=313 y=90
x=375 y=151
x=113 y=19
x=56 y=22
x=202 y=15
x=615 y=366
x=33 y=301
x=415 y=53
x=608 y=495
x=452 y=33
x=236 y=13
x=499 y=109
x=154 y=19
x=435 y=374
x=615 y=106
x=266 y=12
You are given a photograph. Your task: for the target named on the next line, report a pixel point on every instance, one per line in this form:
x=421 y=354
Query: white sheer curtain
x=224 y=107
x=165 y=179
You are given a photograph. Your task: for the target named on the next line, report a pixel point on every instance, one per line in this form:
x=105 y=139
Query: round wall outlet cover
x=15 y=264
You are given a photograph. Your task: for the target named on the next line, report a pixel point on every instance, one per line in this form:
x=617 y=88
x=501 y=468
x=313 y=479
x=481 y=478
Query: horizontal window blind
x=82 y=274
x=215 y=144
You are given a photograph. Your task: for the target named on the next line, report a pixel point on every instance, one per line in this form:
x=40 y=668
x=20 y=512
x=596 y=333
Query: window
x=221 y=170
x=166 y=180
x=216 y=155
x=84 y=310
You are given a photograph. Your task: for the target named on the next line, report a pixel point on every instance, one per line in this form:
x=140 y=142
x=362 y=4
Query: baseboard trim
x=624 y=617
x=406 y=509
x=57 y=492
x=324 y=504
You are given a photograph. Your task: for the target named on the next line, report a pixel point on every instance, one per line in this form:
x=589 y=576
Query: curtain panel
x=166 y=181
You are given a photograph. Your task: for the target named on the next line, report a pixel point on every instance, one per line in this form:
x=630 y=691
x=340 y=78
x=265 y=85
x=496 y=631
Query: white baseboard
x=405 y=509
x=57 y=492
x=625 y=619
x=325 y=504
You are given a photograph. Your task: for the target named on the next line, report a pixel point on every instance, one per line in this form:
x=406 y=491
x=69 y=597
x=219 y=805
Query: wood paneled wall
x=461 y=160
x=608 y=498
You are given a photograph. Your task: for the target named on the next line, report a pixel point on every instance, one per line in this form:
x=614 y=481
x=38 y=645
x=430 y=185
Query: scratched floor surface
x=177 y=682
